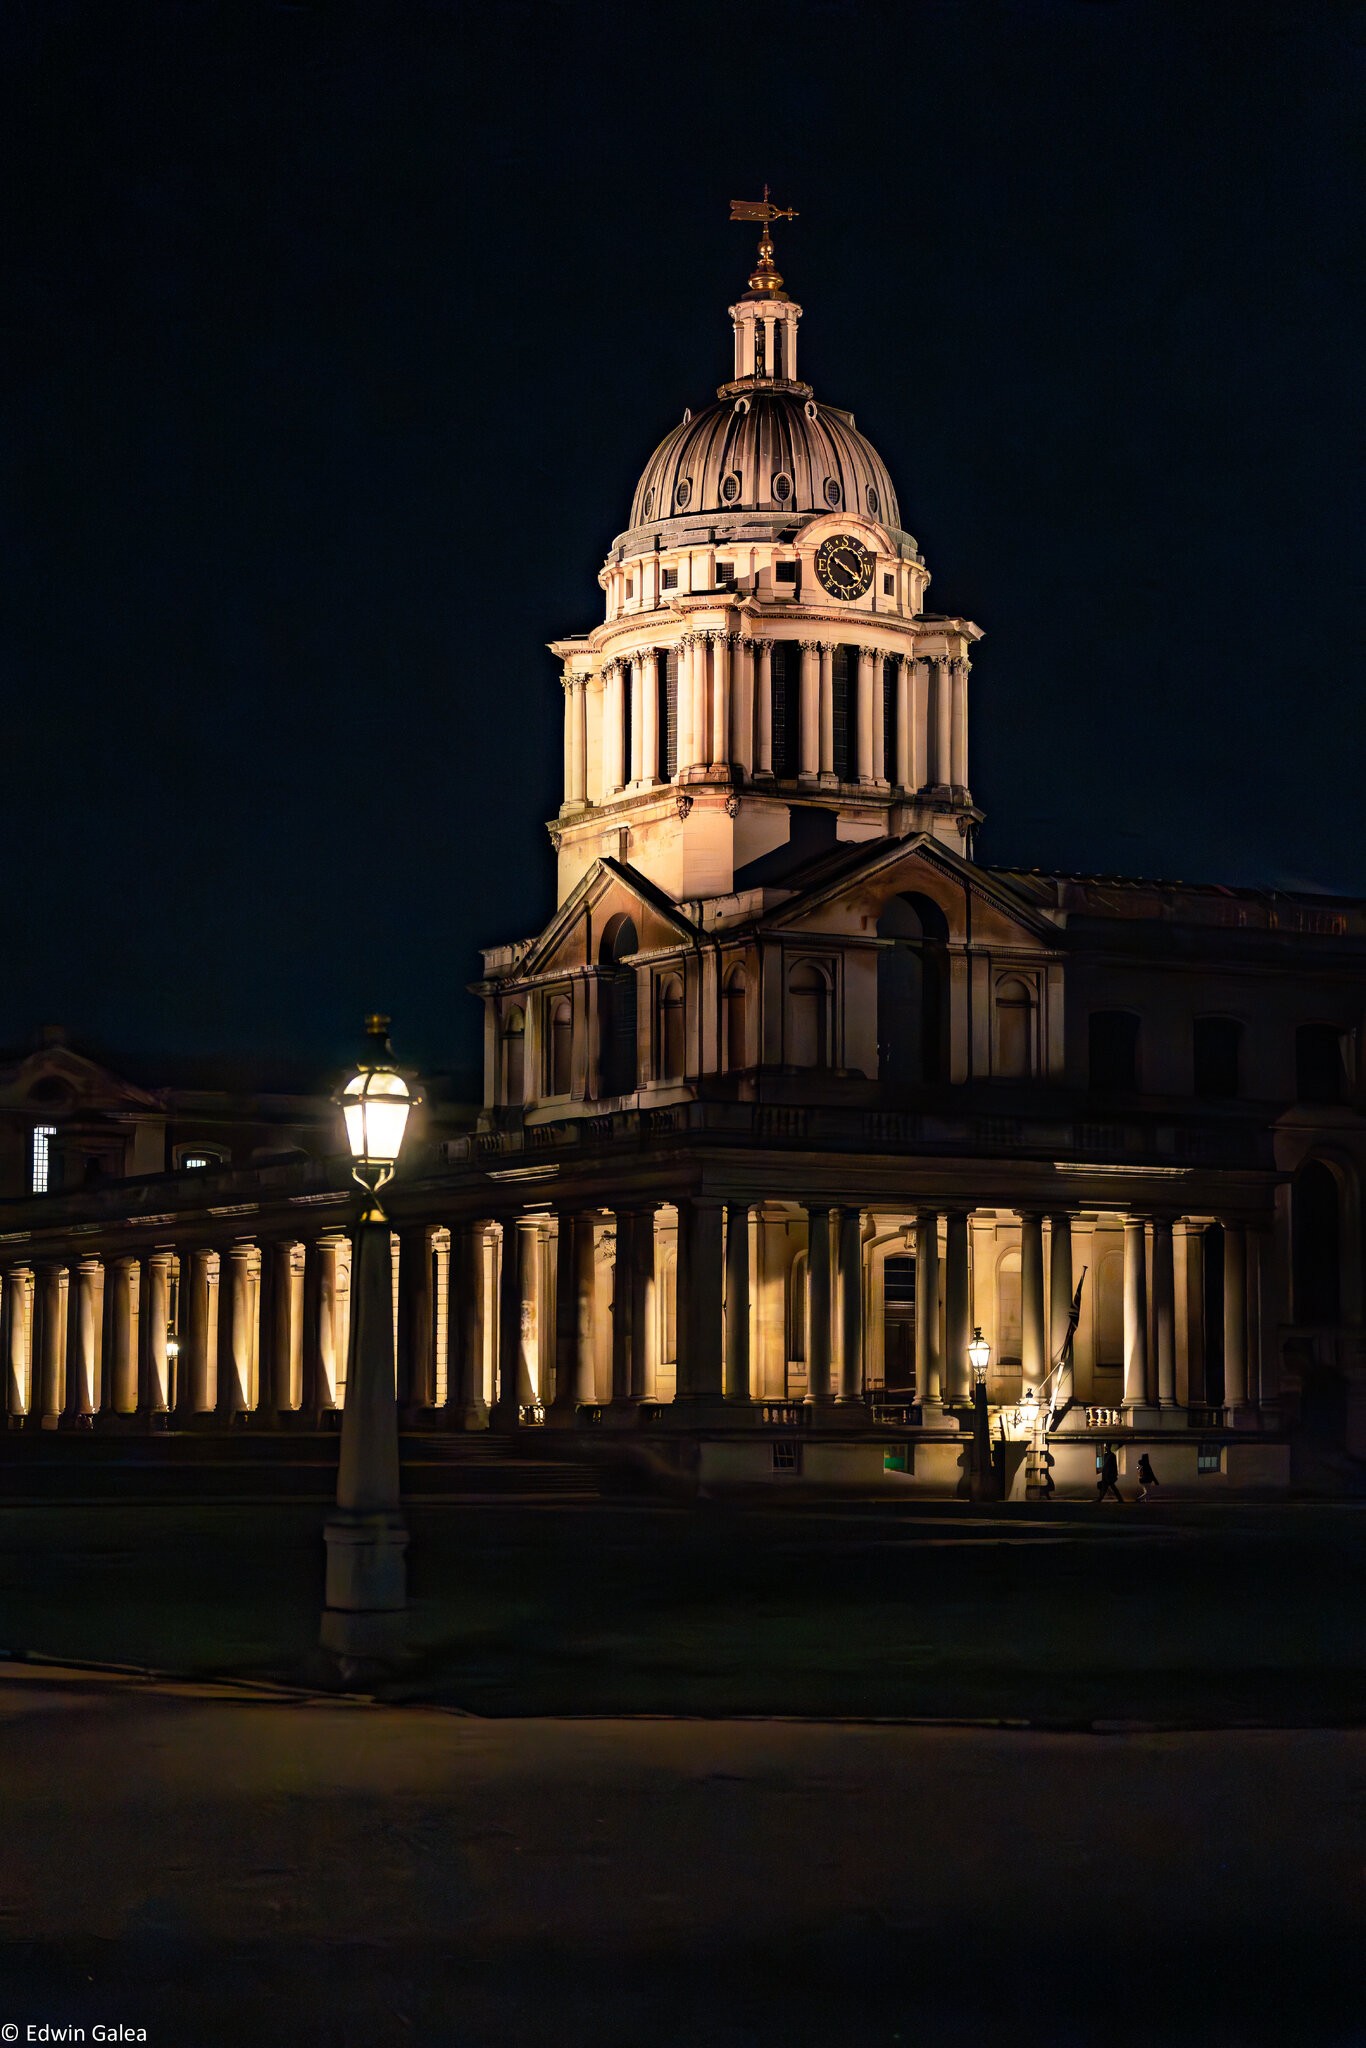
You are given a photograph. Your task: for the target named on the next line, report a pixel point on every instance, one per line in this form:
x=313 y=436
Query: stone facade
x=791 y=1093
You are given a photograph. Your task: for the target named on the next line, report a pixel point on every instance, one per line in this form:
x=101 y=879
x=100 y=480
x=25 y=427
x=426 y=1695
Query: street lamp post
x=364 y=1619
x=983 y=1472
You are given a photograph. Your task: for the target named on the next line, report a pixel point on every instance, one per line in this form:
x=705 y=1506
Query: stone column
x=642 y=1302
x=1060 y=1287
x=287 y=1320
x=18 y=1341
x=700 y=1303
x=530 y=1244
x=612 y=729
x=1190 y=1310
x=928 y=1378
x=957 y=1308
x=236 y=1379
x=943 y=705
x=850 y=1233
x=742 y=742
x=416 y=1335
x=199 y=1354
x=575 y=1286
x=570 y=762
x=959 y=758
x=900 y=769
x=636 y=672
x=809 y=762
x=683 y=713
x=648 y=663
x=864 y=766
x=1164 y=1311
x=738 y=1384
x=763 y=761
x=467 y=1406
x=1235 y=1317
x=506 y=1411
x=52 y=1341
x=124 y=1316
x=920 y=723
x=331 y=1323
x=157 y=1269
x=623 y=1303
x=84 y=1376
x=581 y=739
x=1135 y=1313
x=720 y=703
x=827 y=768
x=1034 y=1346
x=817 y=1304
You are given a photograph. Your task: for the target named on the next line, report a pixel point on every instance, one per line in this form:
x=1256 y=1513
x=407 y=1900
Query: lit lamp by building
x=172 y=1369
x=367 y=1596
x=983 y=1472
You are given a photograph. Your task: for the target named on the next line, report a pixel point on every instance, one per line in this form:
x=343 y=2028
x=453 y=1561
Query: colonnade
x=554 y=1309
x=912 y=738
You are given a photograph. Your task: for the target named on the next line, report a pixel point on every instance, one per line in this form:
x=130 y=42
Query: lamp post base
x=365 y=1619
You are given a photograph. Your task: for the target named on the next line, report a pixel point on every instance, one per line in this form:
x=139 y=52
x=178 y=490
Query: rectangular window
x=1216 y=1056
x=725 y=572
x=43 y=1134
x=889 y=586
x=194 y=1161
x=1112 y=1037
x=668 y=579
x=627 y=708
x=786 y=710
x=787 y=1456
x=784 y=572
x=844 y=681
x=889 y=719
x=1208 y=1457
x=630 y=587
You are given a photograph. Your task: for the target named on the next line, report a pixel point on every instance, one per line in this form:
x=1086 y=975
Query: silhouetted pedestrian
x=1146 y=1476
x=1049 y=1461
x=1109 y=1475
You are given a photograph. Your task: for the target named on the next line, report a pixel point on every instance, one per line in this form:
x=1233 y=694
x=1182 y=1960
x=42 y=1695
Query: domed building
x=810 y=1143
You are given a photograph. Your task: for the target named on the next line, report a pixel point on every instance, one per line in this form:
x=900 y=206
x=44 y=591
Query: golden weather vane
x=765 y=277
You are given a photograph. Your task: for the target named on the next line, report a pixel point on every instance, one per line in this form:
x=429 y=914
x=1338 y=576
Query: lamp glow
x=375 y=1104
x=979 y=1355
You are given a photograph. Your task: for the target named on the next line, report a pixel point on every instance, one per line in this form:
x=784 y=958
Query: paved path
x=238 y=1866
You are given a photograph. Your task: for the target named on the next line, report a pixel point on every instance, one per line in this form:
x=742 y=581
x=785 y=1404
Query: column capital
x=868 y=653
x=810 y=646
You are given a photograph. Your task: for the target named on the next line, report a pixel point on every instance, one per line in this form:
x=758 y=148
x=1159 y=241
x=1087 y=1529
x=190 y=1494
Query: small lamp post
x=364 y=1620
x=983 y=1473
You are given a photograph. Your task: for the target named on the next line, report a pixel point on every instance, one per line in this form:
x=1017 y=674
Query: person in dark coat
x=1109 y=1475
x=1146 y=1476
x=1049 y=1461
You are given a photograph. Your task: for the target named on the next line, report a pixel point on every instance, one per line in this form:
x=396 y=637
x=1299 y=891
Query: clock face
x=844 y=566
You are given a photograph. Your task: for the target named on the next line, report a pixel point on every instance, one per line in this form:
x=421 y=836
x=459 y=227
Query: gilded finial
x=765 y=277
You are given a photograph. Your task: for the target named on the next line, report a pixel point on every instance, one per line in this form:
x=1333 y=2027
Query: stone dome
x=772 y=452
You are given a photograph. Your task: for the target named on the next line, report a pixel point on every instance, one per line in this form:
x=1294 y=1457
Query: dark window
x=725 y=572
x=787 y=709
x=1208 y=1457
x=735 y=1021
x=514 y=1057
x=889 y=719
x=912 y=992
x=1217 y=1044
x=782 y=487
x=784 y=572
x=617 y=1005
x=559 y=1050
x=888 y=585
x=628 y=697
x=1319 y=1072
x=787 y=1455
x=1315 y=1239
x=760 y=357
x=778 y=370
x=1212 y=1268
x=808 y=1017
x=669 y=579
x=844 y=674
x=1113 y=1047
x=630 y=586
x=669 y=1059
x=668 y=713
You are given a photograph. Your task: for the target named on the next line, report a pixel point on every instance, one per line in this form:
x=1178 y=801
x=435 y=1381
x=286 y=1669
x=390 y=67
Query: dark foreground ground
x=558 y=1829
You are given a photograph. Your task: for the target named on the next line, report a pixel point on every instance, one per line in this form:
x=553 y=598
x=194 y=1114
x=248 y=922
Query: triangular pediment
x=847 y=891
x=58 y=1080
x=607 y=890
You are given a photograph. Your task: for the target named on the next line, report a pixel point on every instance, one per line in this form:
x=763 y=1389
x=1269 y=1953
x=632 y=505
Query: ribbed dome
x=769 y=451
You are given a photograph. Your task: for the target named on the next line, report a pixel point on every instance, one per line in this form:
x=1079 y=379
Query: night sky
x=336 y=337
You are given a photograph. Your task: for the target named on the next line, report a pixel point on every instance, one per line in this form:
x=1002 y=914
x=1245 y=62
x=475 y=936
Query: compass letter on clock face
x=844 y=566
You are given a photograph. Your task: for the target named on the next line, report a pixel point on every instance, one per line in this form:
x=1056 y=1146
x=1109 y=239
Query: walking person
x=1146 y=1476
x=1109 y=1475
x=1049 y=1461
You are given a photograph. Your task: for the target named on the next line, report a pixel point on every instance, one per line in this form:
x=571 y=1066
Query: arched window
x=1319 y=1071
x=735 y=1020
x=1217 y=1045
x=796 y=1311
x=514 y=1056
x=669 y=1030
x=617 y=1006
x=1014 y=1029
x=808 y=1016
x=1316 y=1238
x=1112 y=1043
x=1110 y=1310
x=559 y=1047
x=1009 y=1315
x=912 y=992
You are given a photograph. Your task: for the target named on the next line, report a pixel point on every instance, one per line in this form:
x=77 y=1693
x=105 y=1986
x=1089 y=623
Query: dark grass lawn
x=1180 y=1615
